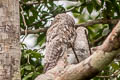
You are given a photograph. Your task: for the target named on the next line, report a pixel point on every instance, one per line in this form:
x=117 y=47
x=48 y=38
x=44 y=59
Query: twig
x=115 y=74
x=98 y=21
x=35 y=31
x=39 y=21
x=103 y=76
x=29 y=3
x=26 y=27
x=74 y=6
x=98 y=40
x=42 y=47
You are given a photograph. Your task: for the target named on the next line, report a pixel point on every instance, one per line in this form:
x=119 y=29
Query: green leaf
x=81 y=9
x=28 y=67
x=28 y=76
x=90 y=8
x=115 y=66
x=40 y=39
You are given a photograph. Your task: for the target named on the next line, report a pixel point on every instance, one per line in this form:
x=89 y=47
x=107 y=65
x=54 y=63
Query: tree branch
x=91 y=66
x=98 y=21
x=29 y=3
x=112 y=41
x=35 y=31
x=86 y=24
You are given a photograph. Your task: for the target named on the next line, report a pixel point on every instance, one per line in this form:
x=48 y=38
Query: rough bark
x=84 y=70
x=91 y=66
x=103 y=55
x=9 y=40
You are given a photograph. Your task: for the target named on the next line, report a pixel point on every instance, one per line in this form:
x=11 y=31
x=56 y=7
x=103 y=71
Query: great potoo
x=60 y=37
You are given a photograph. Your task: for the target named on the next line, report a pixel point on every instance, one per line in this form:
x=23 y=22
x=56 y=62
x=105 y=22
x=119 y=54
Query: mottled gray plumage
x=60 y=37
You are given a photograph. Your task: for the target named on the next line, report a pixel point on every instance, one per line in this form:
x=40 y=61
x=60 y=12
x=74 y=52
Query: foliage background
x=35 y=14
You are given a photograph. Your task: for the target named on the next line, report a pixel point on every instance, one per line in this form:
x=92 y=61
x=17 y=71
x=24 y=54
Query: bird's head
x=64 y=18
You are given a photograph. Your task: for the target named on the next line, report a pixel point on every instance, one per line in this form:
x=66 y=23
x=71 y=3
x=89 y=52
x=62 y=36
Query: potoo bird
x=60 y=37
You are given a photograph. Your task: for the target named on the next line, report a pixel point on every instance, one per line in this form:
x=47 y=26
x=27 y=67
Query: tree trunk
x=9 y=40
